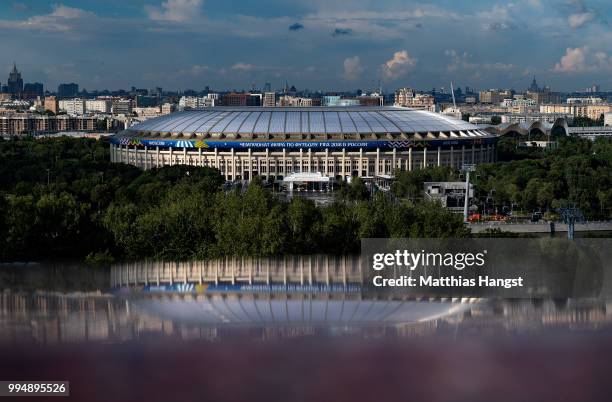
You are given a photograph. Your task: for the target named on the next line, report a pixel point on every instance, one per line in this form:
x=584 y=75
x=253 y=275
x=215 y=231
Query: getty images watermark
x=409 y=261
x=485 y=267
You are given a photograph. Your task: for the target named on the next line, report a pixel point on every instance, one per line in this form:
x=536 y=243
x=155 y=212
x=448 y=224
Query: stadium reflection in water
x=264 y=299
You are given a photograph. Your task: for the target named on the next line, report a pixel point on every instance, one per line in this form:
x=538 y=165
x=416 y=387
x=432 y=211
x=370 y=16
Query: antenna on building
x=453 y=93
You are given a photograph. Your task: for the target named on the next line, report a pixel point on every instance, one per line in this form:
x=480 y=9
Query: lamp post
x=467 y=168
x=571 y=215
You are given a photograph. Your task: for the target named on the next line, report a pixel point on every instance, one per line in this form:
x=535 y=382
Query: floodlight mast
x=453 y=93
x=467 y=168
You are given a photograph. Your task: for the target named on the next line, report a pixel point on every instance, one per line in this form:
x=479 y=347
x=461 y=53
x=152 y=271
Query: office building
x=241 y=99
x=122 y=106
x=15 y=82
x=67 y=90
x=33 y=91
x=493 y=96
x=145 y=113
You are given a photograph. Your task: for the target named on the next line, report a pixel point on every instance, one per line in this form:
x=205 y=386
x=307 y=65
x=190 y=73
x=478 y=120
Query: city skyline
x=181 y=44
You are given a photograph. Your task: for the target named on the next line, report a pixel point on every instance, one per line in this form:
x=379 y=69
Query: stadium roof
x=231 y=309
x=304 y=122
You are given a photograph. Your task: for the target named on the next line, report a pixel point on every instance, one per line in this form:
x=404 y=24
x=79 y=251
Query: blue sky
x=314 y=44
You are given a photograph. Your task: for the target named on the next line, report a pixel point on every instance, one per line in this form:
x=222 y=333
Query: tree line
x=578 y=173
x=62 y=198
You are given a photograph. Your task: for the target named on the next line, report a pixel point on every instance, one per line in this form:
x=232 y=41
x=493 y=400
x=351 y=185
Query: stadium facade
x=276 y=142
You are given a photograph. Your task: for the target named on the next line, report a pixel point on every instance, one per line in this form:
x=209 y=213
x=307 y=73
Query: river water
x=289 y=329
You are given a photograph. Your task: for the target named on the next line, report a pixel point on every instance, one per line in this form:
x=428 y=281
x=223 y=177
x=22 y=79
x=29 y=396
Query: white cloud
x=244 y=67
x=534 y=3
x=352 y=68
x=499 y=17
x=463 y=62
x=579 y=19
x=458 y=60
x=61 y=19
x=582 y=59
x=195 y=70
x=574 y=60
x=380 y=24
x=343 y=14
x=175 y=10
x=62 y=11
x=498 y=66
x=398 y=65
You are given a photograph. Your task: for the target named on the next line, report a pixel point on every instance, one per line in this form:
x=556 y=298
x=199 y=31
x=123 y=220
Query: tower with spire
x=15 y=82
x=534 y=85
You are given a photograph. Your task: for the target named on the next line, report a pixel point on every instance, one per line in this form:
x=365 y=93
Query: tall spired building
x=534 y=85
x=15 y=82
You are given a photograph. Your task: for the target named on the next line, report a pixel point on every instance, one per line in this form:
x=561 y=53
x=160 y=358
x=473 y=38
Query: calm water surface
x=289 y=331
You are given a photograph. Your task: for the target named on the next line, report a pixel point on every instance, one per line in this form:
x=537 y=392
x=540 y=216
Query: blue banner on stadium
x=252 y=288
x=400 y=144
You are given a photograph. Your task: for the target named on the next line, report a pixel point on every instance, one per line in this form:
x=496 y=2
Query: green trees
x=587 y=122
x=301 y=218
x=410 y=184
x=577 y=172
x=355 y=190
x=18 y=217
x=62 y=198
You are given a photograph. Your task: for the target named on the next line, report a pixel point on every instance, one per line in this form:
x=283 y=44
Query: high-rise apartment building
x=51 y=104
x=592 y=111
x=269 y=99
x=294 y=101
x=168 y=108
x=74 y=106
x=195 y=102
x=407 y=97
x=98 y=106
x=403 y=95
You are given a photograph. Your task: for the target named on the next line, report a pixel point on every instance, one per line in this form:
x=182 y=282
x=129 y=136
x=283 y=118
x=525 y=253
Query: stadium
x=329 y=142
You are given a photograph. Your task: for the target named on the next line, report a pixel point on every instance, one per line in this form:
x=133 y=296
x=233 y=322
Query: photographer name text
x=409 y=262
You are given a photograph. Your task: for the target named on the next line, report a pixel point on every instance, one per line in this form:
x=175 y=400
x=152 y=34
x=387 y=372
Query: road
x=543 y=227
